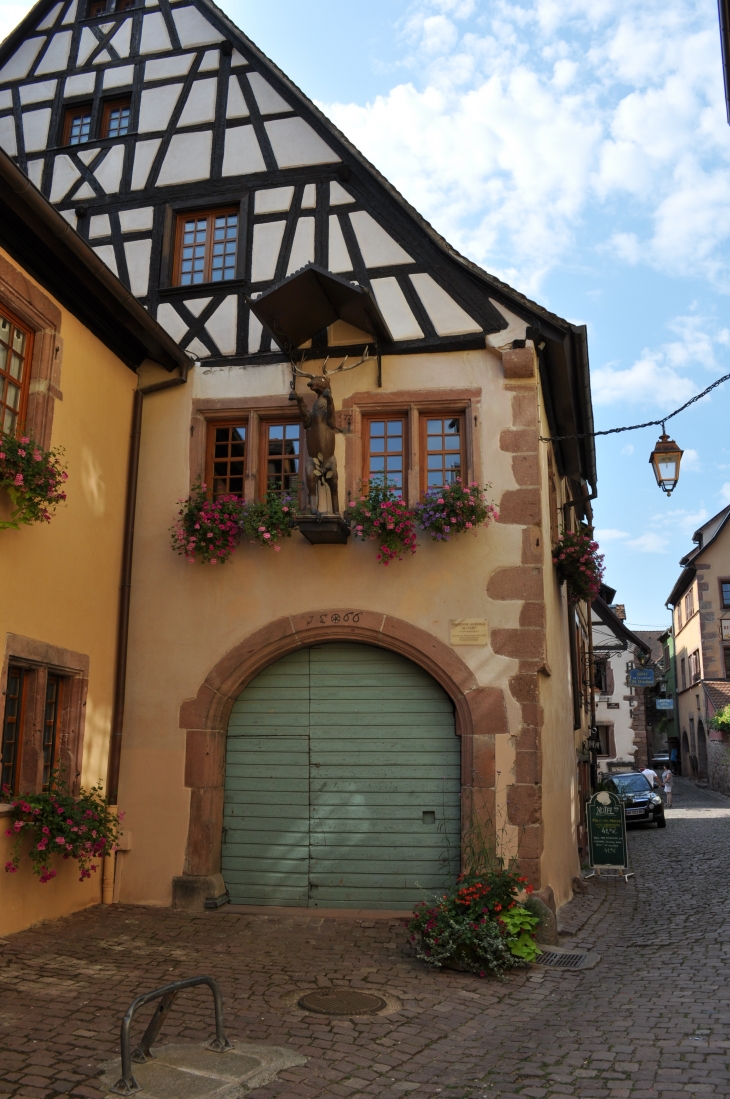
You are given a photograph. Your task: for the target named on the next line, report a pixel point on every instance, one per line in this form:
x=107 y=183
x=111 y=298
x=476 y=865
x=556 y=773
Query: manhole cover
x=341 y=1002
x=561 y=961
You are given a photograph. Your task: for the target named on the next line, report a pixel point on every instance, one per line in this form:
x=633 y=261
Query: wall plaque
x=469 y=631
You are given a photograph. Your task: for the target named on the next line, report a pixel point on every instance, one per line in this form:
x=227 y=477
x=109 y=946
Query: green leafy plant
x=721 y=720
x=521 y=925
x=33 y=479
x=382 y=516
x=82 y=828
x=453 y=509
x=269 y=520
x=579 y=565
x=207 y=530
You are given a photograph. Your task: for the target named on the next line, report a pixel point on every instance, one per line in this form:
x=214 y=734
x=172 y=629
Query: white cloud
x=10 y=16
x=649 y=542
x=724 y=493
x=628 y=449
x=690 y=461
x=610 y=535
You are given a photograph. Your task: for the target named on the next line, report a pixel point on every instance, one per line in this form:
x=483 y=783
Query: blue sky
x=579 y=150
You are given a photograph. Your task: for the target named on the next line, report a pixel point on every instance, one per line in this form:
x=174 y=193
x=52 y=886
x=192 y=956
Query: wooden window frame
x=723 y=580
x=19 y=725
x=107 y=107
x=50 y=757
x=68 y=116
x=610 y=740
x=210 y=444
x=413 y=405
x=695 y=667
x=726 y=658
x=5 y=375
x=423 y=444
x=265 y=422
x=210 y=213
x=374 y=417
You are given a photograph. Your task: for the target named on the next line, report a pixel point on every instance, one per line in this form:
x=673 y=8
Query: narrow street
x=652 y=1019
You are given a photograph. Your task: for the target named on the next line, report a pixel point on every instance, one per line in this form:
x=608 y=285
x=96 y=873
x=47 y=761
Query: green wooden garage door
x=342 y=783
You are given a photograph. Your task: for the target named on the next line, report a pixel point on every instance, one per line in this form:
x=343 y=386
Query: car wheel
x=662 y=822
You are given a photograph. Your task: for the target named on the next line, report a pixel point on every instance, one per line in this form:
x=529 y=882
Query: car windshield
x=631 y=784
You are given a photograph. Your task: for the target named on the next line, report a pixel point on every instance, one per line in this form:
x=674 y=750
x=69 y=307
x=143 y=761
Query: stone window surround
x=39 y=658
x=412 y=403
x=41 y=314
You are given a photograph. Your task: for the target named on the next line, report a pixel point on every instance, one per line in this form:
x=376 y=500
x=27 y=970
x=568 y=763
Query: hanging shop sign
x=725 y=624
x=607 y=832
x=642 y=677
x=665 y=704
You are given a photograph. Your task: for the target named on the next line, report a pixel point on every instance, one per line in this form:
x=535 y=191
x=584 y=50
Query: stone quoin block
x=533 y=714
x=522 y=582
x=524 y=410
x=532 y=615
x=523 y=688
x=204 y=759
x=528 y=767
x=520 y=507
x=519 y=362
x=203 y=854
x=528 y=739
x=530 y=869
x=532 y=842
x=526 y=469
x=519 y=644
x=524 y=804
x=521 y=440
x=488 y=710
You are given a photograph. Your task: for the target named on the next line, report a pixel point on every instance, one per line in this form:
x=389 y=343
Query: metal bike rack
x=127 y=1085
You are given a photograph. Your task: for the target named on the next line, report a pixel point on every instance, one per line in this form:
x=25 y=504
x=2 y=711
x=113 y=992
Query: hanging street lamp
x=665 y=459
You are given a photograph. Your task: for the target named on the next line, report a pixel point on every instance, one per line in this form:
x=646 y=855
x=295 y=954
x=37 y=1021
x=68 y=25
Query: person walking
x=667 y=777
x=673 y=760
x=651 y=776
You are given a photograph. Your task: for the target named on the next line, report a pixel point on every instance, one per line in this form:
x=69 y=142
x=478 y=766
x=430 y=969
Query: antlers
x=328 y=373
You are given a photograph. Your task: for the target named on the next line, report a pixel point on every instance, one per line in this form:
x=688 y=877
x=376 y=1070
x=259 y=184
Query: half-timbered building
x=312 y=725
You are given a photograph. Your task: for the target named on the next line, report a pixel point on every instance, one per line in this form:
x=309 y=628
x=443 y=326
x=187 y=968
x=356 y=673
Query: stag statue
x=320 y=428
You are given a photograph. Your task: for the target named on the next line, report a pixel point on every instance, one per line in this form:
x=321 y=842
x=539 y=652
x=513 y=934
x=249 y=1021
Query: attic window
x=205 y=247
x=77 y=125
x=115 y=121
x=106 y=7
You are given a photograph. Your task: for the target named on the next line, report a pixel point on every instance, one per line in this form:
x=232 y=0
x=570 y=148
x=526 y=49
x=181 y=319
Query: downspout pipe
x=125 y=587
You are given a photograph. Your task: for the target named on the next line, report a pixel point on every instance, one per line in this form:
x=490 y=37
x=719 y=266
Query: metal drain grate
x=561 y=961
x=341 y=1002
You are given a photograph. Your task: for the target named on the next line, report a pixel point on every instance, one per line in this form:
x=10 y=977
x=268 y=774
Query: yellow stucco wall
x=65 y=576
x=186 y=617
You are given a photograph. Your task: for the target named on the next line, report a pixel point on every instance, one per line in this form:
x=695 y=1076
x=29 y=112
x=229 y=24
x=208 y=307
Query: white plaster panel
x=448 y=318
x=339 y=257
x=135 y=221
x=155 y=38
x=120 y=41
x=516 y=328
x=70 y=16
x=378 y=247
x=21 y=61
x=105 y=252
x=35 y=172
x=87 y=45
x=295 y=144
x=197 y=305
x=87 y=155
x=242 y=154
x=70 y=217
x=144 y=154
x=302 y=251
x=119 y=77
x=238 y=59
x=309 y=198
x=194 y=29
x=55 y=58
x=99 y=226
x=255 y=328
x=211 y=60
x=276 y=200
x=109 y=172
x=200 y=105
x=83 y=84
x=8 y=139
x=6 y=100
x=50 y=18
x=396 y=310
x=102 y=58
x=138 y=254
x=236 y=107
x=35 y=129
x=198 y=349
x=267 y=239
x=166 y=67
x=37 y=93
x=171 y=321
x=222 y=325
x=187 y=159
x=106 y=27
x=338 y=195
x=85 y=191
x=156 y=107
x=268 y=100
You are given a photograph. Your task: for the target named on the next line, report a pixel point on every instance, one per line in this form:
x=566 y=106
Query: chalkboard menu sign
x=607 y=832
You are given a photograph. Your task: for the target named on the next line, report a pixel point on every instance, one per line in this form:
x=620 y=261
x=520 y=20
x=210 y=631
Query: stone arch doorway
x=686 y=762
x=701 y=750
x=479 y=714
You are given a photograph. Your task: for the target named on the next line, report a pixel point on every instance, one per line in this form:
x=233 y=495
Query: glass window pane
x=377 y=430
x=395 y=427
x=453 y=442
x=435 y=427
x=18 y=341
x=434 y=461
x=276 y=432
x=377 y=464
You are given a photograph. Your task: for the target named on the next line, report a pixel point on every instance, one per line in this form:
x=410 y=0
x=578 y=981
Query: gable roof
x=46 y=246
x=704 y=537
x=617 y=626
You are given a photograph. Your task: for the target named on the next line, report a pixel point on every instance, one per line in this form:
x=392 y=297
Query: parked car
x=661 y=759
x=642 y=804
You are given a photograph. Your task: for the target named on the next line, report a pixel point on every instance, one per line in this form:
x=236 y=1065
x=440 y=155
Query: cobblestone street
x=651 y=1020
